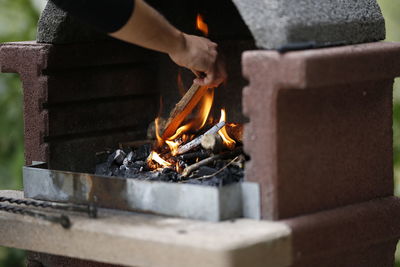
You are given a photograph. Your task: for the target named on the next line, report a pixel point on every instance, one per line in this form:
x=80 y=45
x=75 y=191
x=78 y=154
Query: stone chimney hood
x=277 y=23
x=273 y=24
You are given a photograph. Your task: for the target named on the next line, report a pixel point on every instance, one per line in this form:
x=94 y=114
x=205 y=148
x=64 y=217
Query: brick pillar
x=82 y=98
x=320 y=141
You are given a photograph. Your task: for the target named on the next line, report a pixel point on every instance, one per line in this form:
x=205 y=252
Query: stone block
x=77 y=103
x=57 y=27
x=320 y=126
x=276 y=23
x=360 y=235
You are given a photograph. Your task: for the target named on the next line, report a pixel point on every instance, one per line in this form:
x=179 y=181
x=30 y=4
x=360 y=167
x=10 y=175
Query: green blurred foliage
x=18 y=20
x=391 y=12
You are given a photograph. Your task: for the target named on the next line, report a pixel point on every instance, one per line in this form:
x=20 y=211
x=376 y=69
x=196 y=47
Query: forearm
x=136 y=22
x=147 y=28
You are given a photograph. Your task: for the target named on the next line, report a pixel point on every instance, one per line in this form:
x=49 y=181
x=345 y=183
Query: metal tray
x=173 y=199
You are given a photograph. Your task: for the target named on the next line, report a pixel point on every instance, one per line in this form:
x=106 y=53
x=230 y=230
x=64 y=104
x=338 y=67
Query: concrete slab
x=147 y=240
x=276 y=23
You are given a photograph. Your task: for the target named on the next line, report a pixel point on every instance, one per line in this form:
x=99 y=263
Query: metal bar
x=63 y=220
x=90 y=209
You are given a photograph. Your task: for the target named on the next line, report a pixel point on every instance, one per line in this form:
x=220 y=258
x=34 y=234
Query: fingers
x=212 y=78
x=201 y=56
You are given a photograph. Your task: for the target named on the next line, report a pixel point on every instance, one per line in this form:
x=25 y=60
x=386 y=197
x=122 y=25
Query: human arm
x=145 y=27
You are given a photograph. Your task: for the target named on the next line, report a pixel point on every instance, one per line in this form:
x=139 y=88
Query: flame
x=201 y=25
x=228 y=141
x=154 y=156
x=173 y=146
x=184 y=133
x=205 y=108
x=160 y=141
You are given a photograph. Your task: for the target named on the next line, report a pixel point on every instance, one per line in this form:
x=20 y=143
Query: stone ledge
x=147 y=240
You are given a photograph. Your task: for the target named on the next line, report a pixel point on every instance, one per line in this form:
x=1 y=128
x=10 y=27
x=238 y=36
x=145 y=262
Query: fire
x=191 y=123
x=201 y=25
x=194 y=125
x=228 y=141
x=154 y=156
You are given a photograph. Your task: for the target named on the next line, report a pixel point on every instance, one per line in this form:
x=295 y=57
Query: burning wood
x=209 y=160
x=197 y=141
x=184 y=107
x=195 y=155
x=212 y=142
x=184 y=151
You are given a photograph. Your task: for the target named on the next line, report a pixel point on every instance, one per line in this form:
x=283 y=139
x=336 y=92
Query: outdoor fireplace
x=318 y=122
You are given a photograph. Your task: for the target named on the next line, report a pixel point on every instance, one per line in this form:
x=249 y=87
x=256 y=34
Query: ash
x=131 y=163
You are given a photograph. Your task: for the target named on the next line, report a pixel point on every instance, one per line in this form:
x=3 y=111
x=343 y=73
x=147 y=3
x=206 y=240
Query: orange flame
x=160 y=141
x=205 y=108
x=228 y=141
x=154 y=156
x=201 y=25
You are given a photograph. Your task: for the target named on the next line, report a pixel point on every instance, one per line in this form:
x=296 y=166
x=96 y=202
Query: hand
x=200 y=56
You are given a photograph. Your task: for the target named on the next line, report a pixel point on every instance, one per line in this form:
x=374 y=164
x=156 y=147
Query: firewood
x=212 y=142
x=235 y=131
x=184 y=107
x=195 y=155
x=197 y=141
x=187 y=171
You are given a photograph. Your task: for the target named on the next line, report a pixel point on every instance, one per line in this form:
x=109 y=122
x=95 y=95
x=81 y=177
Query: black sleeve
x=105 y=15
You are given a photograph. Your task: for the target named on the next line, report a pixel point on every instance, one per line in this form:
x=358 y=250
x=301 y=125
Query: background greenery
x=18 y=19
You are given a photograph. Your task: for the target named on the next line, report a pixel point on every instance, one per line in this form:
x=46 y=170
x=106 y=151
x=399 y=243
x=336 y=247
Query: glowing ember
x=201 y=25
x=228 y=141
x=154 y=156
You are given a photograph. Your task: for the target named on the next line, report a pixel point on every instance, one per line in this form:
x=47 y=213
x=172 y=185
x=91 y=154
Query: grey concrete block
x=276 y=23
x=57 y=27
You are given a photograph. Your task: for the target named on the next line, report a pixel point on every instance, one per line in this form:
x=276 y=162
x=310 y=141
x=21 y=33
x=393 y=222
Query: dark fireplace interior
x=103 y=93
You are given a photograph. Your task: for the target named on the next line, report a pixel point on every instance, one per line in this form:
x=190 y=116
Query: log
x=212 y=142
x=184 y=107
x=195 y=155
x=197 y=141
x=235 y=132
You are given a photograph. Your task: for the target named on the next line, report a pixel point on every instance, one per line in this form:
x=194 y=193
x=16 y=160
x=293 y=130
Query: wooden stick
x=217 y=172
x=184 y=107
x=195 y=155
x=199 y=164
x=187 y=171
x=197 y=141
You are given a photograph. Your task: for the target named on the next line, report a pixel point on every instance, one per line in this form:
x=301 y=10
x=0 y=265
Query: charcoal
x=119 y=156
x=205 y=170
x=128 y=160
x=140 y=163
x=116 y=157
x=201 y=154
x=133 y=165
x=114 y=170
x=142 y=152
x=214 y=181
x=102 y=169
x=131 y=173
